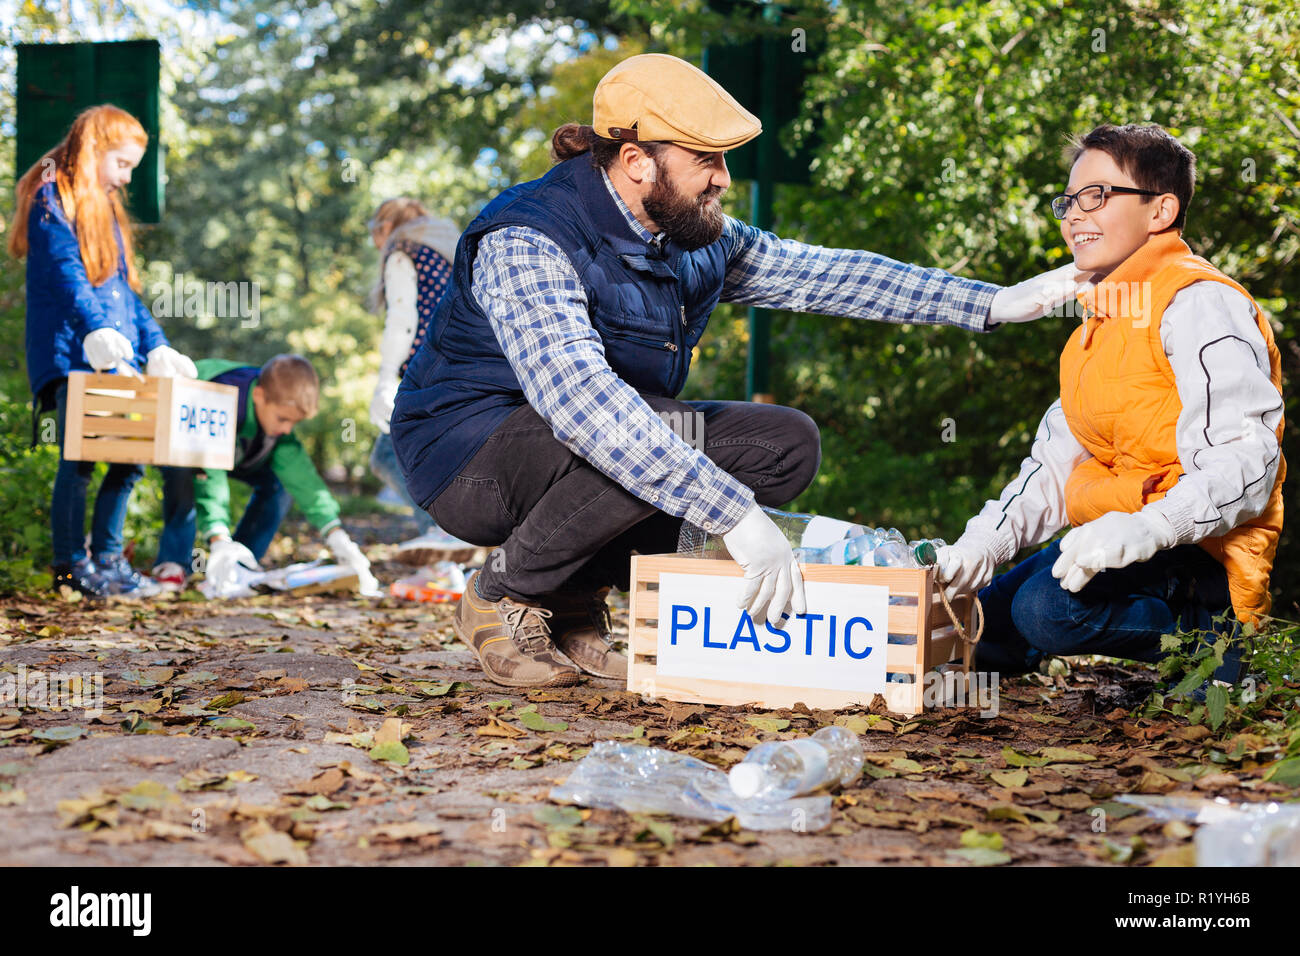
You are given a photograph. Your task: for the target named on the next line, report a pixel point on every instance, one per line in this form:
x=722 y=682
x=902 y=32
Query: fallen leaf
x=1060 y=755
x=980 y=856
x=976 y=839
x=1010 y=778
x=535 y=721
x=495 y=727
x=1015 y=758
x=274 y=846
x=771 y=725
x=393 y=752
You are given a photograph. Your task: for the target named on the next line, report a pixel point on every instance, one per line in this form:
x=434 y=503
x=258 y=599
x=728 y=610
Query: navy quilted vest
x=648 y=305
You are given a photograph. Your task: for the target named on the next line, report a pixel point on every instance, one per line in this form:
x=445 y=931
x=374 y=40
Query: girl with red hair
x=84 y=314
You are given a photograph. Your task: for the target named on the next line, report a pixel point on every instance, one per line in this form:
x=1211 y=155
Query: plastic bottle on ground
x=781 y=769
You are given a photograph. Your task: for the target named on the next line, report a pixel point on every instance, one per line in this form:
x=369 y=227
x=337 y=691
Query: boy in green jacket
x=269 y=458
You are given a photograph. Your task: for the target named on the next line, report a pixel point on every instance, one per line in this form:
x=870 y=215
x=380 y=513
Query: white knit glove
x=381 y=405
x=106 y=349
x=347 y=553
x=966 y=565
x=773 y=581
x=1034 y=298
x=223 y=555
x=1115 y=540
x=166 y=362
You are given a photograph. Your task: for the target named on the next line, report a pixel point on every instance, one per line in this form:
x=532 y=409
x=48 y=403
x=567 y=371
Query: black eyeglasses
x=1092 y=197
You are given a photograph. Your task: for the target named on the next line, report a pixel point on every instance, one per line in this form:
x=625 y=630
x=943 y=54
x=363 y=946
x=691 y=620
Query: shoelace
x=601 y=609
x=528 y=627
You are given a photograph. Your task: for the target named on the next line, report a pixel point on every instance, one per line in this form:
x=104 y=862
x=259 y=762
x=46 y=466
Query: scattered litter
x=314 y=577
x=440 y=584
x=1232 y=834
x=617 y=776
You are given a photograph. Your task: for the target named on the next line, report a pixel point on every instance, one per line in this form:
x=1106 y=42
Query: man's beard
x=688 y=222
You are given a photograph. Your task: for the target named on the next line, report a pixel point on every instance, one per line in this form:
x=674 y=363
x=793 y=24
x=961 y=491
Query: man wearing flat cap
x=536 y=415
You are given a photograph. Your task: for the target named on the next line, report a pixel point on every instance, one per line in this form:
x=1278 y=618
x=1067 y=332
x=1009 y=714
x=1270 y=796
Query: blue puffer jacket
x=63 y=307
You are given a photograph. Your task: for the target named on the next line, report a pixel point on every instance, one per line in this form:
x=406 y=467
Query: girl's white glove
x=381 y=404
x=166 y=362
x=773 y=581
x=106 y=349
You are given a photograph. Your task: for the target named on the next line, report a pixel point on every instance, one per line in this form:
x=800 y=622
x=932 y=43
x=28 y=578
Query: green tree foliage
x=939 y=130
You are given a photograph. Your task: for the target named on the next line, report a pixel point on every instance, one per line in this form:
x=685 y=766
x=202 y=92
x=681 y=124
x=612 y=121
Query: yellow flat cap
x=657 y=97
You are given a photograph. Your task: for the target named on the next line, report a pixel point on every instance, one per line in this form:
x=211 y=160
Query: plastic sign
x=839 y=644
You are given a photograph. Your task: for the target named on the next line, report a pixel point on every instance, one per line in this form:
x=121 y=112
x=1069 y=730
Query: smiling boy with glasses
x=1163 y=451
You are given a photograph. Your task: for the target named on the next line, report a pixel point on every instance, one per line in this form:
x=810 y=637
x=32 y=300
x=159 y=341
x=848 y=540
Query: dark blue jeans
x=68 y=504
x=1119 y=613
x=256 y=530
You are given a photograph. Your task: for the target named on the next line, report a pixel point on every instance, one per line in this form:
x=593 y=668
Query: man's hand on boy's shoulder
x=1039 y=296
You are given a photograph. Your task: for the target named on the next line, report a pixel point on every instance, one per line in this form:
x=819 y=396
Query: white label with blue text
x=202 y=419
x=839 y=644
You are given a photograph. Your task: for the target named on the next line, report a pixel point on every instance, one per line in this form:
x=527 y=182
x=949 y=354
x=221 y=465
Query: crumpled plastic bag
x=618 y=776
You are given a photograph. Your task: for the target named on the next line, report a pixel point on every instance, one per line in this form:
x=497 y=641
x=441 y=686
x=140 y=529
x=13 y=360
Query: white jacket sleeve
x=1032 y=507
x=1227 y=431
x=401 y=292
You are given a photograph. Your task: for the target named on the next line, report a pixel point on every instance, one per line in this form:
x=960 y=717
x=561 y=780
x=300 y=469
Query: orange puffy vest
x=1119 y=398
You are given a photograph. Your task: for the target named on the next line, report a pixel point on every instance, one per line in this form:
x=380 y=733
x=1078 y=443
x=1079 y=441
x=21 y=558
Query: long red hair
x=75 y=167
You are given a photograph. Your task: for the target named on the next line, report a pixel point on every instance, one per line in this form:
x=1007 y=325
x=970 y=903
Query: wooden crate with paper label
x=148 y=420
x=868 y=631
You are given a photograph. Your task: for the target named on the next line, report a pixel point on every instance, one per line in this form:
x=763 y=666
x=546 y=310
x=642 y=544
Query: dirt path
x=240 y=733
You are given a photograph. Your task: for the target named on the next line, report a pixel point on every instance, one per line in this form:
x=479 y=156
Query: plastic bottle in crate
x=801 y=530
x=781 y=769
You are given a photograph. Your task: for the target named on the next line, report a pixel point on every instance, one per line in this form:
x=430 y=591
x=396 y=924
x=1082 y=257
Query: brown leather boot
x=580 y=627
x=512 y=641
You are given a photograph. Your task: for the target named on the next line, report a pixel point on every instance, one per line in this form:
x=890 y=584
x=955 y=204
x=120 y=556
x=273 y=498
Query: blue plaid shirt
x=534 y=300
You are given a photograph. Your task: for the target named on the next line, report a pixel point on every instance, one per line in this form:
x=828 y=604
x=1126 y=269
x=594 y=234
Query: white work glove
x=347 y=553
x=107 y=349
x=773 y=581
x=223 y=555
x=166 y=362
x=1115 y=540
x=965 y=566
x=381 y=405
x=1034 y=298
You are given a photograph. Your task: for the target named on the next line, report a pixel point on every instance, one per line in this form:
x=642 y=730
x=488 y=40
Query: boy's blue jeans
x=1119 y=613
x=68 y=504
x=383 y=462
x=256 y=530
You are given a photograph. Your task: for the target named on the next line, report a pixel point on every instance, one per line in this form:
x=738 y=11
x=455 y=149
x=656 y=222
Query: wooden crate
x=924 y=617
x=150 y=421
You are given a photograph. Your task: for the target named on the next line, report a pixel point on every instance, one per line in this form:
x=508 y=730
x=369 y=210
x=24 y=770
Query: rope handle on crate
x=969 y=642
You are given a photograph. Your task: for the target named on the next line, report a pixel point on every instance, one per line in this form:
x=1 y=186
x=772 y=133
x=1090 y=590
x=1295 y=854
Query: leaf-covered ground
x=333 y=730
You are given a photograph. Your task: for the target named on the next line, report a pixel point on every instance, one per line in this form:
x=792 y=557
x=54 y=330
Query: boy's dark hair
x=290 y=380
x=1154 y=159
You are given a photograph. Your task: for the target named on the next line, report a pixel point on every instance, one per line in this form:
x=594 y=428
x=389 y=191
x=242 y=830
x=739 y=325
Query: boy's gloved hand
x=108 y=349
x=347 y=553
x=966 y=565
x=772 y=577
x=223 y=555
x=1034 y=298
x=381 y=405
x=1115 y=540
x=166 y=362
